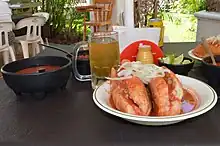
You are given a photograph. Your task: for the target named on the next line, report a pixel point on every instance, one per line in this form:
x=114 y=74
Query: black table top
x=70 y=117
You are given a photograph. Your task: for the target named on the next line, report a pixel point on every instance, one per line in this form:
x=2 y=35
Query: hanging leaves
x=64 y=20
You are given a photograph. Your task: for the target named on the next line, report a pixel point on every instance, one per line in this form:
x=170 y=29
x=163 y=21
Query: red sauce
x=37 y=69
x=111 y=103
x=217 y=63
x=83 y=57
x=189 y=101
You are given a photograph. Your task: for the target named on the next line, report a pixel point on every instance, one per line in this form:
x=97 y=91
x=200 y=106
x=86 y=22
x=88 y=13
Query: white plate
x=207 y=95
x=190 y=53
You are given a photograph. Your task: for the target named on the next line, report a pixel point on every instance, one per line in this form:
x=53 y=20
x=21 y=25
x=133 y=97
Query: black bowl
x=42 y=82
x=211 y=72
x=181 y=69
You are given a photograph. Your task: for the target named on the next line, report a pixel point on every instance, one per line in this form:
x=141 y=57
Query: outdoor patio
x=110 y=72
x=65 y=26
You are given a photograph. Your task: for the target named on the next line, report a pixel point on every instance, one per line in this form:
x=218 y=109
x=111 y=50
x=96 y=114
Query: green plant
x=64 y=20
x=192 y=6
x=178 y=16
x=183 y=6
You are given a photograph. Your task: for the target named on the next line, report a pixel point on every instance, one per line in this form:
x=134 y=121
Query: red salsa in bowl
x=38 y=69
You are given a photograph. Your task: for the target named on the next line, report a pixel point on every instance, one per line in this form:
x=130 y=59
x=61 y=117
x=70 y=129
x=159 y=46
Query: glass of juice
x=104 y=55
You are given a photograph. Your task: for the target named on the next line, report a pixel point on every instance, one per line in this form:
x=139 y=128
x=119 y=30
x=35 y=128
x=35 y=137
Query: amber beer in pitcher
x=104 y=54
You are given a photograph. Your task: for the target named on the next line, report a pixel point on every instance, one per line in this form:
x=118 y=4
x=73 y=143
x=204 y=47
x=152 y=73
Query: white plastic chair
x=33 y=35
x=46 y=16
x=130 y=35
x=7 y=50
x=42 y=14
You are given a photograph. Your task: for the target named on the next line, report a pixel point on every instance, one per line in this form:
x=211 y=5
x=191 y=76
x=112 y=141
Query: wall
x=208 y=24
x=117 y=12
x=125 y=7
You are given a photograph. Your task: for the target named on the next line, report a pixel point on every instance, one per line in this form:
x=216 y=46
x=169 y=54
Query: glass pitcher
x=81 y=66
x=104 y=54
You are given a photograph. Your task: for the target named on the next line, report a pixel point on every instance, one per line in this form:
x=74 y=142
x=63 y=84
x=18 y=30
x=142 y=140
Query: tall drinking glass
x=104 y=55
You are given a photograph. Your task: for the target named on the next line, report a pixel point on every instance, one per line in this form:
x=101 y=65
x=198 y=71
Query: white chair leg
x=24 y=46
x=42 y=42
x=17 y=48
x=37 y=48
x=12 y=54
x=47 y=42
x=33 y=49
x=6 y=56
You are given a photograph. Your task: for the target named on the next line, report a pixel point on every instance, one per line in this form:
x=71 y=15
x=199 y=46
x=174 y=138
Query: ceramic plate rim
x=190 y=53
x=160 y=119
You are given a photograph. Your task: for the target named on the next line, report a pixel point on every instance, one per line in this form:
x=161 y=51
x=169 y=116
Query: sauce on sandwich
x=189 y=101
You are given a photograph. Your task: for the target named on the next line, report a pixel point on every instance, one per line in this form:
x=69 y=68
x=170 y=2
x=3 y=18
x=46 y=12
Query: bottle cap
x=145 y=46
x=140 y=45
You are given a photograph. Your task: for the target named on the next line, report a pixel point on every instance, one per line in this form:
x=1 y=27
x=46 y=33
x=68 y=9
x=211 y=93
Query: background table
x=70 y=118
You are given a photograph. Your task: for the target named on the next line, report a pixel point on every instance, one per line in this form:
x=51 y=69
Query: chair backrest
x=42 y=14
x=5 y=28
x=33 y=25
x=127 y=36
x=106 y=13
